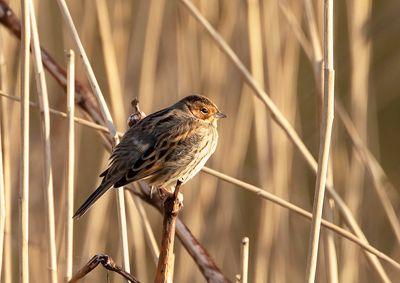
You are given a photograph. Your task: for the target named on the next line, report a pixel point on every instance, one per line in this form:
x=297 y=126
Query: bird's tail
x=92 y=199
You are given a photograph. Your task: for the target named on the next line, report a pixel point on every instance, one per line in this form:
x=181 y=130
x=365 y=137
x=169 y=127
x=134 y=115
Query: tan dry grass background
x=161 y=55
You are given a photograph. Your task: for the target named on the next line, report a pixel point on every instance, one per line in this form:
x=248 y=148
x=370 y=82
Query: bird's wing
x=157 y=139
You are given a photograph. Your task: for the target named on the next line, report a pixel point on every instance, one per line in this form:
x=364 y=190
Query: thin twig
x=45 y=122
x=244 y=260
x=107 y=116
x=24 y=189
x=69 y=228
x=108 y=264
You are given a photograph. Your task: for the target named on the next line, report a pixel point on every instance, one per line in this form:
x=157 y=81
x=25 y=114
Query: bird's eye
x=204 y=110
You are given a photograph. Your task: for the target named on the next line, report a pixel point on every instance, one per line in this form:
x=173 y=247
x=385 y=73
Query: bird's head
x=203 y=108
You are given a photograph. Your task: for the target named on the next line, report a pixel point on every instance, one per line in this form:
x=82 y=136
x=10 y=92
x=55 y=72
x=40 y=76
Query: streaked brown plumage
x=165 y=147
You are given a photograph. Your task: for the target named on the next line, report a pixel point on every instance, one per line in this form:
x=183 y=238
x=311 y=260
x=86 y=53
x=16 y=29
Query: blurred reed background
x=156 y=51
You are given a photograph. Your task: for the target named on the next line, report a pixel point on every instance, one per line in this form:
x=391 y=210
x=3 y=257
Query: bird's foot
x=173 y=205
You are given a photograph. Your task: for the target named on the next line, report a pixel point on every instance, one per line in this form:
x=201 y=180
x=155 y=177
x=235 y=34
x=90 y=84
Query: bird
x=165 y=149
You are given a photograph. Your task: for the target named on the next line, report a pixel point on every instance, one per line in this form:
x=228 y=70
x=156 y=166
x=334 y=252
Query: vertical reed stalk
x=331 y=260
x=325 y=139
x=2 y=204
x=24 y=171
x=3 y=186
x=69 y=229
x=311 y=23
x=45 y=123
x=329 y=241
x=316 y=59
x=107 y=116
x=7 y=112
x=89 y=70
x=244 y=260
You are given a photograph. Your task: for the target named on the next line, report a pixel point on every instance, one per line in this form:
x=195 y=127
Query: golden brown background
x=162 y=54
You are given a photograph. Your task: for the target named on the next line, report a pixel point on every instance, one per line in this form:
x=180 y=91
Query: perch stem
x=172 y=206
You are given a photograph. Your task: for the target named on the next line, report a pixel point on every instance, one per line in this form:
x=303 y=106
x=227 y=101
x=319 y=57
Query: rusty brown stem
x=165 y=267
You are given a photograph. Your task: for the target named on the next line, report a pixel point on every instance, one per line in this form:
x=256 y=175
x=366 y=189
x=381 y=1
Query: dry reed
x=317 y=68
x=159 y=53
x=69 y=227
x=45 y=131
x=24 y=163
x=244 y=256
x=109 y=121
x=277 y=200
x=2 y=205
x=325 y=141
x=284 y=124
x=7 y=114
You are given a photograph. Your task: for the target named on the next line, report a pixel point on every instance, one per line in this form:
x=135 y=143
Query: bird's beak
x=219 y=115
